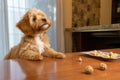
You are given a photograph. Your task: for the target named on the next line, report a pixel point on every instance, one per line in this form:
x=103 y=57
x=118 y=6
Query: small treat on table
x=112 y=55
x=106 y=56
x=80 y=59
x=103 y=66
x=89 y=69
x=94 y=52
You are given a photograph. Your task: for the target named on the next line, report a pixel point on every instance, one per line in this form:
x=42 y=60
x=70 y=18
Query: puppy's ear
x=24 y=25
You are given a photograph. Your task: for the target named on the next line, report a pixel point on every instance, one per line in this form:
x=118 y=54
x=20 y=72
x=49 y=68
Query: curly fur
x=34 y=44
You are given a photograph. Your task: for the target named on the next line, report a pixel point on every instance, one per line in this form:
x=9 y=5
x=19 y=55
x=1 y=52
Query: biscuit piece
x=89 y=69
x=80 y=59
x=103 y=66
x=112 y=55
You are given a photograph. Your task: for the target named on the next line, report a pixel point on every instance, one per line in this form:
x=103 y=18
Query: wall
x=67 y=13
x=105 y=12
x=67 y=23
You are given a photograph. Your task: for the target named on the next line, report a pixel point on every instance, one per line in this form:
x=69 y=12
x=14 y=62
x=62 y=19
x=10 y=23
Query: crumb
x=80 y=59
x=103 y=66
x=94 y=52
x=89 y=69
x=112 y=55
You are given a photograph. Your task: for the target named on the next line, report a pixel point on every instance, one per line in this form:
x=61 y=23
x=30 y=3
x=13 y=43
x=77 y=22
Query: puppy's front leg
x=31 y=55
x=49 y=52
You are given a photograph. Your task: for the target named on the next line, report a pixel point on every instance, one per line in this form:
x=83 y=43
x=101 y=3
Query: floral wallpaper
x=85 y=13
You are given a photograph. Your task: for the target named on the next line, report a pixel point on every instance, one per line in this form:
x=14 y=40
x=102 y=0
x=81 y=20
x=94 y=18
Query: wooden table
x=59 y=69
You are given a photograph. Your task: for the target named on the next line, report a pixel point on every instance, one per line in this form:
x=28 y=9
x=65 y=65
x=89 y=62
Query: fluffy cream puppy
x=34 y=44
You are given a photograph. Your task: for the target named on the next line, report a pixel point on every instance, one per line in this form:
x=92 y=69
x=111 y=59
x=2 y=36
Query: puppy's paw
x=37 y=57
x=60 y=55
x=40 y=57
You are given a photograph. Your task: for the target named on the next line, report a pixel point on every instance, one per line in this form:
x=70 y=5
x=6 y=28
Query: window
x=12 y=11
x=17 y=8
x=3 y=30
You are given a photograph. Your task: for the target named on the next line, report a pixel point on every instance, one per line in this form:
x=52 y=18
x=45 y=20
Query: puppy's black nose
x=44 y=20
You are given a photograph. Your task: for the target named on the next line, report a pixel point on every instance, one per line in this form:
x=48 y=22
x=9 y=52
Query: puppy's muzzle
x=45 y=25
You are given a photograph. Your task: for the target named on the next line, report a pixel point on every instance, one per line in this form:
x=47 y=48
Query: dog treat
x=89 y=69
x=94 y=52
x=103 y=66
x=80 y=59
x=112 y=55
x=102 y=54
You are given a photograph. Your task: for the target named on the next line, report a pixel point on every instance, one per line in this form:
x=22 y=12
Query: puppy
x=34 y=44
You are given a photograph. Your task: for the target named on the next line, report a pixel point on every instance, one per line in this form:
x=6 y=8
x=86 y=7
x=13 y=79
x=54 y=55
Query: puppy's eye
x=34 y=19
